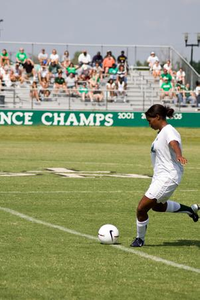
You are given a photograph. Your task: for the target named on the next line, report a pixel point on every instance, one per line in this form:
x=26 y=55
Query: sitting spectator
x=94 y=79
x=168 y=67
x=122 y=74
x=121 y=89
x=29 y=69
x=54 y=57
x=21 y=56
x=66 y=59
x=71 y=69
x=44 y=92
x=16 y=74
x=53 y=70
x=84 y=58
x=156 y=70
x=98 y=58
x=96 y=94
x=166 y=89
x=151 y=60
x=180 y=88
x=6 y=79
x=111 y=89
x=113 y=72
x=108 y=63
x=180 y=76
x=43 y=57
x=34 y=94
x=71 y=83
x=43 y=73
x=122 y=60
x=99 y=70
x=84 y=73
x=197 y=93
x=4 y=58
x=60 y=83
x=184 y=94
x=83 y=92
x=165 y=75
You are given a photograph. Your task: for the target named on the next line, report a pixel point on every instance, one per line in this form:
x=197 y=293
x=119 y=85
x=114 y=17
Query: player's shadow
x=179 y=243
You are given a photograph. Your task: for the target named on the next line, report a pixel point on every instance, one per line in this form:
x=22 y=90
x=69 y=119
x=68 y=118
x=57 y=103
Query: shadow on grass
x=179 y=243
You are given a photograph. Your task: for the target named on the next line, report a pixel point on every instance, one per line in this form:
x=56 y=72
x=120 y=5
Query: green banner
x=90 y=118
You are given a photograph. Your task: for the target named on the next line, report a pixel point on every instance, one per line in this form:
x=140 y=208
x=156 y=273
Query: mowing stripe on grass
x=119 y=247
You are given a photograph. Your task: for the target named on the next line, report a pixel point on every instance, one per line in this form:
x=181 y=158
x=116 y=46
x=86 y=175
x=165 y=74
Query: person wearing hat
x=152 y=59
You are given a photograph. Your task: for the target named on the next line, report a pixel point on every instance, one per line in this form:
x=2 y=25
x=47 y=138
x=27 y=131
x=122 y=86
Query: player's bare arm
x=175 y=146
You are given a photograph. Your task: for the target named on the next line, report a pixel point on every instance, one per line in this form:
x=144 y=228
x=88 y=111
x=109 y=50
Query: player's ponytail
x=158 y=109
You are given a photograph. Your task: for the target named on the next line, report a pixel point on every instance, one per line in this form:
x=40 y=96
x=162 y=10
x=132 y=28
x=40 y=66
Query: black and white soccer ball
x=108 y=234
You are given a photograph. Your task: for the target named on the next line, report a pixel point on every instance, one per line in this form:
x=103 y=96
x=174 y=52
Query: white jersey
x=163 y=157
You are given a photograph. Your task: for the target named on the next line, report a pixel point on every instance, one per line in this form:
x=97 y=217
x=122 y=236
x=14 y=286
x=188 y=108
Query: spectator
x=71 y=69
x=83 y=92
x=44 y=92
x=99 y=70
x=6 y=79
x=98 y=58
x=166 y=89
x=66 y=59
x=96 y=94
x=84 y=58
x=113 y=72
x=121 y=89
x=184 y=94
x=94 y=79
x=60 y=83
x=4 y=58
x=111 y=89
x=197 y=93
x=122 y=60
x=21 y=56
x=34 y=92
x=108 y=63
x=54 y=57
x=71 y=83
x=180 y=76
x=43 y=73
x=168 y=67
x=151 y=60
x=165 y=75
x=122 y=74
x=53 y=70
x=16 y=74
x=29 y=69
x=43 y=57
x=156 y=70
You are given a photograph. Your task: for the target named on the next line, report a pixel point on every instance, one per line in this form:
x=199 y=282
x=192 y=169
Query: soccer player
x=167 y=160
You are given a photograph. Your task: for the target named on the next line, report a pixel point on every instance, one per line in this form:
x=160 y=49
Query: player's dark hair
x=158 y=109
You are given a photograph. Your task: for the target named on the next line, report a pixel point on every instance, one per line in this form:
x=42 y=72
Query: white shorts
x=161 y=189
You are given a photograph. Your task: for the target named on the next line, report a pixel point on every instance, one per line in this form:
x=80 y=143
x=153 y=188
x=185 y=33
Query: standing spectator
x=84 y=58
x=98 y=58
x=108 y=63
x=54 y=57
x=4 y=58
x=21 y=56
x=152 y=59
x=180 y=76
x=157 y=70
x=43 y=57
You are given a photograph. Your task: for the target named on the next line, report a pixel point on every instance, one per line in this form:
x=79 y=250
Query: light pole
x=186 y=35
x=1 y=20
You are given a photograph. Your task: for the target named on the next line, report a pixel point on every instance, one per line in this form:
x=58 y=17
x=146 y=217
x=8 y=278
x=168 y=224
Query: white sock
x=141 y=229
x=172 y=206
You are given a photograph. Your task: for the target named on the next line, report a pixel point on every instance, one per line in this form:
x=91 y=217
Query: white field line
x=82 y=192
x=119 y=247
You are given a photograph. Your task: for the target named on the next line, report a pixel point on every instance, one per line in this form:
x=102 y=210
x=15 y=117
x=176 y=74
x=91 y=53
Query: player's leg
x=144 y=206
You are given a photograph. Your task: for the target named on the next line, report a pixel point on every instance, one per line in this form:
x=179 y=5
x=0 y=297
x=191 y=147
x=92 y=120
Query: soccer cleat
x=137 y=243
x=194 y=216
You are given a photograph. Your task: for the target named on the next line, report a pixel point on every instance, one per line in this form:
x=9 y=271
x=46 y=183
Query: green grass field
x=40 y=261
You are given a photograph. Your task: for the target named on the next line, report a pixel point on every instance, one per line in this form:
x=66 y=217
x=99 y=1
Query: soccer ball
x=108 y=234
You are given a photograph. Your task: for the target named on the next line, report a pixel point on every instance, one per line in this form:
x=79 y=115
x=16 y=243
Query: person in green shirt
x=60 y=83
x=113 y=72
x=165 y=75
x=166 y=89
x=4 y=58
x=21 y=56
x=83 y=91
